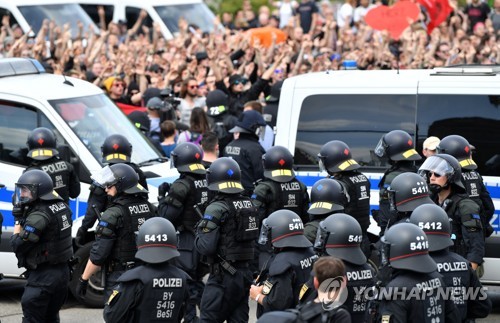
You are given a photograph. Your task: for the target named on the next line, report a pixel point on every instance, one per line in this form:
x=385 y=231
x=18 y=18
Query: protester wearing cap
x=115 y=245
x=141 y=289
x=115 y=88
x=410 y=294
x=430 y=145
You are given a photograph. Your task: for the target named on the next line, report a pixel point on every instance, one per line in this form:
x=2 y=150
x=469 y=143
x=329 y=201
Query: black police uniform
x=98 y=200
x=358 y=186
x=149 y=293
x=247 y=152
x=186 y=193
x=226 y=237
x=270 y=196
x=397 y=305
x=289 y=269
x=221 y=124
x=237 y=100
x=115 y=244
x=477 y=191
x=64 y=177
x=466 y=228
x=44 y=247
x=385 y=213
x=459 y=275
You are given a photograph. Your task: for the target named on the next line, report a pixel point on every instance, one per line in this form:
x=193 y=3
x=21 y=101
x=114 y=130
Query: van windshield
x=60 y=13
x=93 y=118
x=195 y=13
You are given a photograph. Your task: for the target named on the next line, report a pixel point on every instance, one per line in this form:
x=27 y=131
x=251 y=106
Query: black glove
x=163 y=189
x=18 y=213
x=80 y=236
x=81 y=288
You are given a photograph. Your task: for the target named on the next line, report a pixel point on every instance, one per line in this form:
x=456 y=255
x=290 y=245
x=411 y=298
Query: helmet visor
x=24 y=194
x=380 y=148
x=436 y=165
x=322 y=167
x=265 y=232
x=172 y=162
x=385 y=252
x=104 y=177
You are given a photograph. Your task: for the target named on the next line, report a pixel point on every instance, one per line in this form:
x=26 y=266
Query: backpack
x=195 y=137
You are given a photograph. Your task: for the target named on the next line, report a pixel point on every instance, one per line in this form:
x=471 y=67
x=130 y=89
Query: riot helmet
x=278 y=164
x=224 y=175
x=187 y=157
x=335 y=156
x=340 y=235
x=442 y=165
x=327 y=196
x=458 y=147
x=217 y=103
x=251 y=122
x=397 y=145
x=33 y=185
x=157 y=241
x=42 y=144
x=116 y=149
x=283 y=228
x=407 y=191
x=434 y=221
x=120 y=175
x=405 y=246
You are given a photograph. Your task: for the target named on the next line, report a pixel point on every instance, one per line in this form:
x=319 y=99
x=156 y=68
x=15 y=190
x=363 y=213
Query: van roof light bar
x=470 y=70
x=20 y=66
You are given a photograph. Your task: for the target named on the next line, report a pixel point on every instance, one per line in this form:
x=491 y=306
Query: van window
x=132 y=14
x=61 y=14
x=195 y=13
x=475 y=117
x=358 y=120
x=93 y=118
x=91 y=10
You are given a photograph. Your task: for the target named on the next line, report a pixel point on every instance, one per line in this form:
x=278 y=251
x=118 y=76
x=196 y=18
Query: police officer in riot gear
x=444 y=176
x=335 y=157
x=226 y=235
x=42 y=244
x=327 y=197
x=456 y=270
x=340 y=235
x=290 y=267
x=115 y=244
x=42 y=145
x=246 y=150
x=221 y=121
x=412 y=295
x=115 y=149
x=459 y=147
x=280 y=189
x=397 y=147
x=185 y=195
x=407 y=191
x=156 y=290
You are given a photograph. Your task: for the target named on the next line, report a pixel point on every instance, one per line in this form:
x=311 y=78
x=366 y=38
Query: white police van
x=358 y=107
x=81 y=116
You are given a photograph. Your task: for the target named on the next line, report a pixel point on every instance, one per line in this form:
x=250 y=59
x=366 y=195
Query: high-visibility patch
x=230 y=185
x=116 y=156
x=386 y=318
x=115 y=292
x=196 y=166
x=42 y=152
x=267 y=287
x=303 y=290
x=409 y=153
x=467 y=162
x=347 y=163
x=281 y=172
x=321 y=205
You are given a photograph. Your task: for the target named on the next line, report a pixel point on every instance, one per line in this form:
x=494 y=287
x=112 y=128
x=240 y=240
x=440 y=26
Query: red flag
x=438 y=11
x=127 y=108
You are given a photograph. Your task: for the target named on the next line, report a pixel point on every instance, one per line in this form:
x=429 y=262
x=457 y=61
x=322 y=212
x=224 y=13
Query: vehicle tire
x=95 y=292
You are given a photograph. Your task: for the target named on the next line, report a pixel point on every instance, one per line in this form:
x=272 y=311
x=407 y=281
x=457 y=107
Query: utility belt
x=120 y=266
x=229 y=267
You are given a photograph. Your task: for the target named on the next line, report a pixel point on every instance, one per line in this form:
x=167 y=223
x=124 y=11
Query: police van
x=358 y=107
x=81 y=116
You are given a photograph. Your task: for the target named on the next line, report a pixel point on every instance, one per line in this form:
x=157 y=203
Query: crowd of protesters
x=130 y=63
